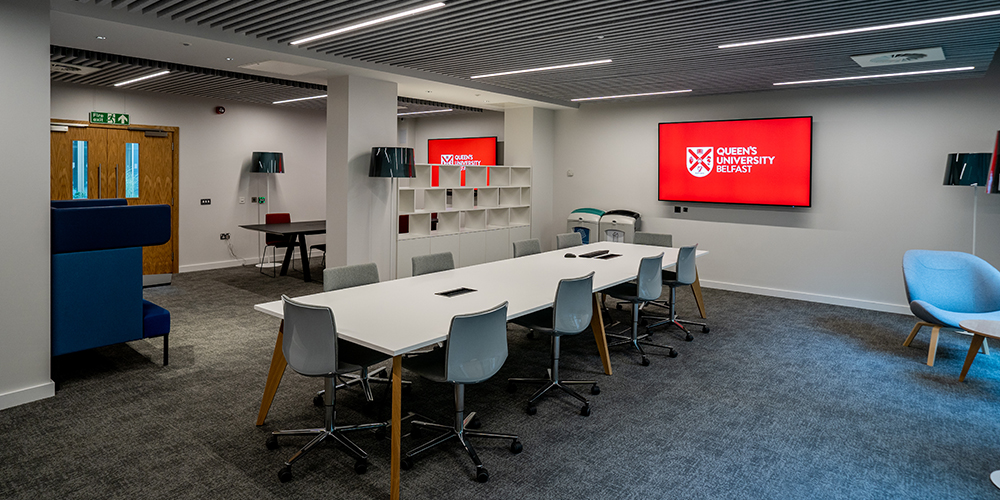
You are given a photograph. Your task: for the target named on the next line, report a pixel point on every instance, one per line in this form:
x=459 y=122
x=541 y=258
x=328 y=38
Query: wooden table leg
x=397 y=403
x=274 y=375
x=977 y=341
x=597 y=324
x=696 y=288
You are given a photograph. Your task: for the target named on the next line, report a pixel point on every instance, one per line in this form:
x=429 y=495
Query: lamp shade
x=391 y=162
x=267 y=163
x=966 y=169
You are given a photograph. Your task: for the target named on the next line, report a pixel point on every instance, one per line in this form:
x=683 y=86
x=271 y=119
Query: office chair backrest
x=527 y=247
x=573 y=308
x=953 y=281
x=476 y=346
x=309 y=338
x=276 y=218
x=686 y=265
x=336 y=278
x=567 y=240
x=653 y=239
x=649 y=283
x=425 y=264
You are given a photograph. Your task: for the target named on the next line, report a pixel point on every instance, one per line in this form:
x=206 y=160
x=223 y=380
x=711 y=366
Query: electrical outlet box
x=685 y=209
x=223 y=236
x=677 y=210
x=243 y=199
x=253 y=199
x=206 y=201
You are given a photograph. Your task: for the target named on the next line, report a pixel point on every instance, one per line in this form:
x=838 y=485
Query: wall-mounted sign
x=109 y=118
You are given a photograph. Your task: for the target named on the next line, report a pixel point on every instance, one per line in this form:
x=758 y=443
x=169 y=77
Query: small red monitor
x=464 y=151
x=756 y=162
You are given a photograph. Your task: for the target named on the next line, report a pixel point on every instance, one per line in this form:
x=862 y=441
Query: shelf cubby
x=520 y=176
x=462 y=199
x=448 y=222
x=510 y=196
x=434 y=199
x=520 y=216
x=420 y=224
x=406 y=203
x=488 y=197
x=474 y=219
x=499 y=176
x=498 y=217
x=449 y=175
x=475 y=176
x=423 y=177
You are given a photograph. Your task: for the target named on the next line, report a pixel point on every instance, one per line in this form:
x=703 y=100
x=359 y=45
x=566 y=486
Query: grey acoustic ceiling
x=654 y=45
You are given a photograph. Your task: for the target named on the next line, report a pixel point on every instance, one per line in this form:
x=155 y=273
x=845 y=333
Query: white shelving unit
x=477 y=222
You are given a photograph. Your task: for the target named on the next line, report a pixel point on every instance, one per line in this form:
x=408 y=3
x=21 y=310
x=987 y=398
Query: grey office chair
x=311 y=347
x=475 y=350
x=647 y=286
x=567 y=240
x=527 y=247
x=337 y=278
x=570 y=314
x=653 y=239
x=684 y=276
x=426 y=264
x=322 y=248
x=665 y=240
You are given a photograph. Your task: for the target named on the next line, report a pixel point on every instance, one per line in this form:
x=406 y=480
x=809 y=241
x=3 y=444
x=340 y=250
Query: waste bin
x=585 y=221
x=619 y=225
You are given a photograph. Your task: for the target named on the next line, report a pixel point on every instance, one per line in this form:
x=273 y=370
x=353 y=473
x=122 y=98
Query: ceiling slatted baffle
x=655 y=45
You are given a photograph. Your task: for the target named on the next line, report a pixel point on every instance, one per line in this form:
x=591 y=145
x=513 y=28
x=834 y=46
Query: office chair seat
x=647 y=287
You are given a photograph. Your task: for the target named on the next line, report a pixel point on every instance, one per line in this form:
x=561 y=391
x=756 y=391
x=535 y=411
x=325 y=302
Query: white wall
x=485 y=124
x=214 y=158
x=878 y=163
x=24 y=197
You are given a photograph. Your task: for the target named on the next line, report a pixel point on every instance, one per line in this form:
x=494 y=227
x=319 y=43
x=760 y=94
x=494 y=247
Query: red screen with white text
x=467 y=151
x=758 y=162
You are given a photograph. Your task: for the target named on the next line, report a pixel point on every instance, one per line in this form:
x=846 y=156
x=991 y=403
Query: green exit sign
x=109 y=118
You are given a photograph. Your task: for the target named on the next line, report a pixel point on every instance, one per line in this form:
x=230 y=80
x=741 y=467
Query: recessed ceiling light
x=141 y=78
x=300 y=99
x=229 y=58
x=867 y=29
x=372 y=22
x=547 y=68
x=99 y=37
x=631 y=95
x=424 y=112
x=886 y=75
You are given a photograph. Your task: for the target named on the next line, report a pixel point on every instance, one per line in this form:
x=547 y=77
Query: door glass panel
x=132 y=170
x=79 y=170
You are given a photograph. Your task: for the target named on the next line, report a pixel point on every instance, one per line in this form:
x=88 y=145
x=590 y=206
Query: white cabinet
x=476 y=222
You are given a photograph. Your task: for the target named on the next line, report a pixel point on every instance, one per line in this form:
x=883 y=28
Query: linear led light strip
x=141 y=78
x=547 y=68
x=300 y=99
x=373 y=22
x=867 y=29
x=631 y=95
x=424 y=112
x=887 y=75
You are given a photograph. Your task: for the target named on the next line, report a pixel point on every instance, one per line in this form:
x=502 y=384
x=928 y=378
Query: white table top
x=399 y=316
x=984 y=327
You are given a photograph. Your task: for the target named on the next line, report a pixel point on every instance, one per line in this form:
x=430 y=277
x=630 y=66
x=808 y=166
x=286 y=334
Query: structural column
x=529 y=139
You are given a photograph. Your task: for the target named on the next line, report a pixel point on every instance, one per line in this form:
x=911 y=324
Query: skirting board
x=206 y=266
x=809 y=297
x=27 y=395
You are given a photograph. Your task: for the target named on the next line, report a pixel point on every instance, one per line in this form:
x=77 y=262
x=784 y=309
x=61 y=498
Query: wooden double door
x=94 y=161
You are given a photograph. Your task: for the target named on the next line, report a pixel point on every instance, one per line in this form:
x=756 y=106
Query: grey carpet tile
x=783 y=399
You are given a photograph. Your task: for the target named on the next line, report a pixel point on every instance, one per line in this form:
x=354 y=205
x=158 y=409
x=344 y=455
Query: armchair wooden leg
x=274 y=375
x=932 y=350
x=913 y=333
x=977 y=341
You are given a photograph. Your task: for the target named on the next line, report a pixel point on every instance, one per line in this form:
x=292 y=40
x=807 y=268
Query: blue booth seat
x=97 y=273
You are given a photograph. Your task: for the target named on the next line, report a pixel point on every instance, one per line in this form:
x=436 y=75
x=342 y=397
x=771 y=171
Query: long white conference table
x=400 y=316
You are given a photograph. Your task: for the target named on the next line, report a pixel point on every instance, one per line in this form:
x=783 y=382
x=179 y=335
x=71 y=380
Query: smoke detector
x=900 y=57
x=74 y=69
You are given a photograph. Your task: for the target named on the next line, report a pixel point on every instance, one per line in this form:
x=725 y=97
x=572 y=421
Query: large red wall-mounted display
x=758 y=162
x=465 y=151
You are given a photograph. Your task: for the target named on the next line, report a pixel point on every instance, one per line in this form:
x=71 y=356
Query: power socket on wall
x=223 y=236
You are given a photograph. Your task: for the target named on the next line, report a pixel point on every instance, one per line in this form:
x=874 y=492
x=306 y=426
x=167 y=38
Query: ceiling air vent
x=75 y=69
x=900 y=57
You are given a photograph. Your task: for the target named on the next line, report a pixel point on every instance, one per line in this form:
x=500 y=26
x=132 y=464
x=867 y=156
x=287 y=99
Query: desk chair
x=337 y=278
x=322 y=248
x=944 y=288
x=475 y=350
x=274 y=241
x=312 y=348
x=567 y=240
x=570 y=314
x=648 y=286
x=666 y=240
x=432 y=263
x=684 y=276
x=527 y=247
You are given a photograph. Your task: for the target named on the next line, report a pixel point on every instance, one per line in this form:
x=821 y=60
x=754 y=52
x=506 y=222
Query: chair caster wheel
x=272 y=442
x=585 y=410
x=531 y=334
x=511 y=387
x=532 y=409
x=475 y=423
x=318 y=400
x=406 y=463
x=361 y=466
x=689 y=337
x=516 y=447
x=482 y=475
x=672 y=353
x=704 y=329
x=645 y=361
x=618 y=307
x=285 y=474
x=595 y=390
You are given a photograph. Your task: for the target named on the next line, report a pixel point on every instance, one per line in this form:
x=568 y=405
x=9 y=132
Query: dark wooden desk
x=293 y=231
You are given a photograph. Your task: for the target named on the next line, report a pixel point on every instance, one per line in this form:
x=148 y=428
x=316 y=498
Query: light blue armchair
x=944 y=288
